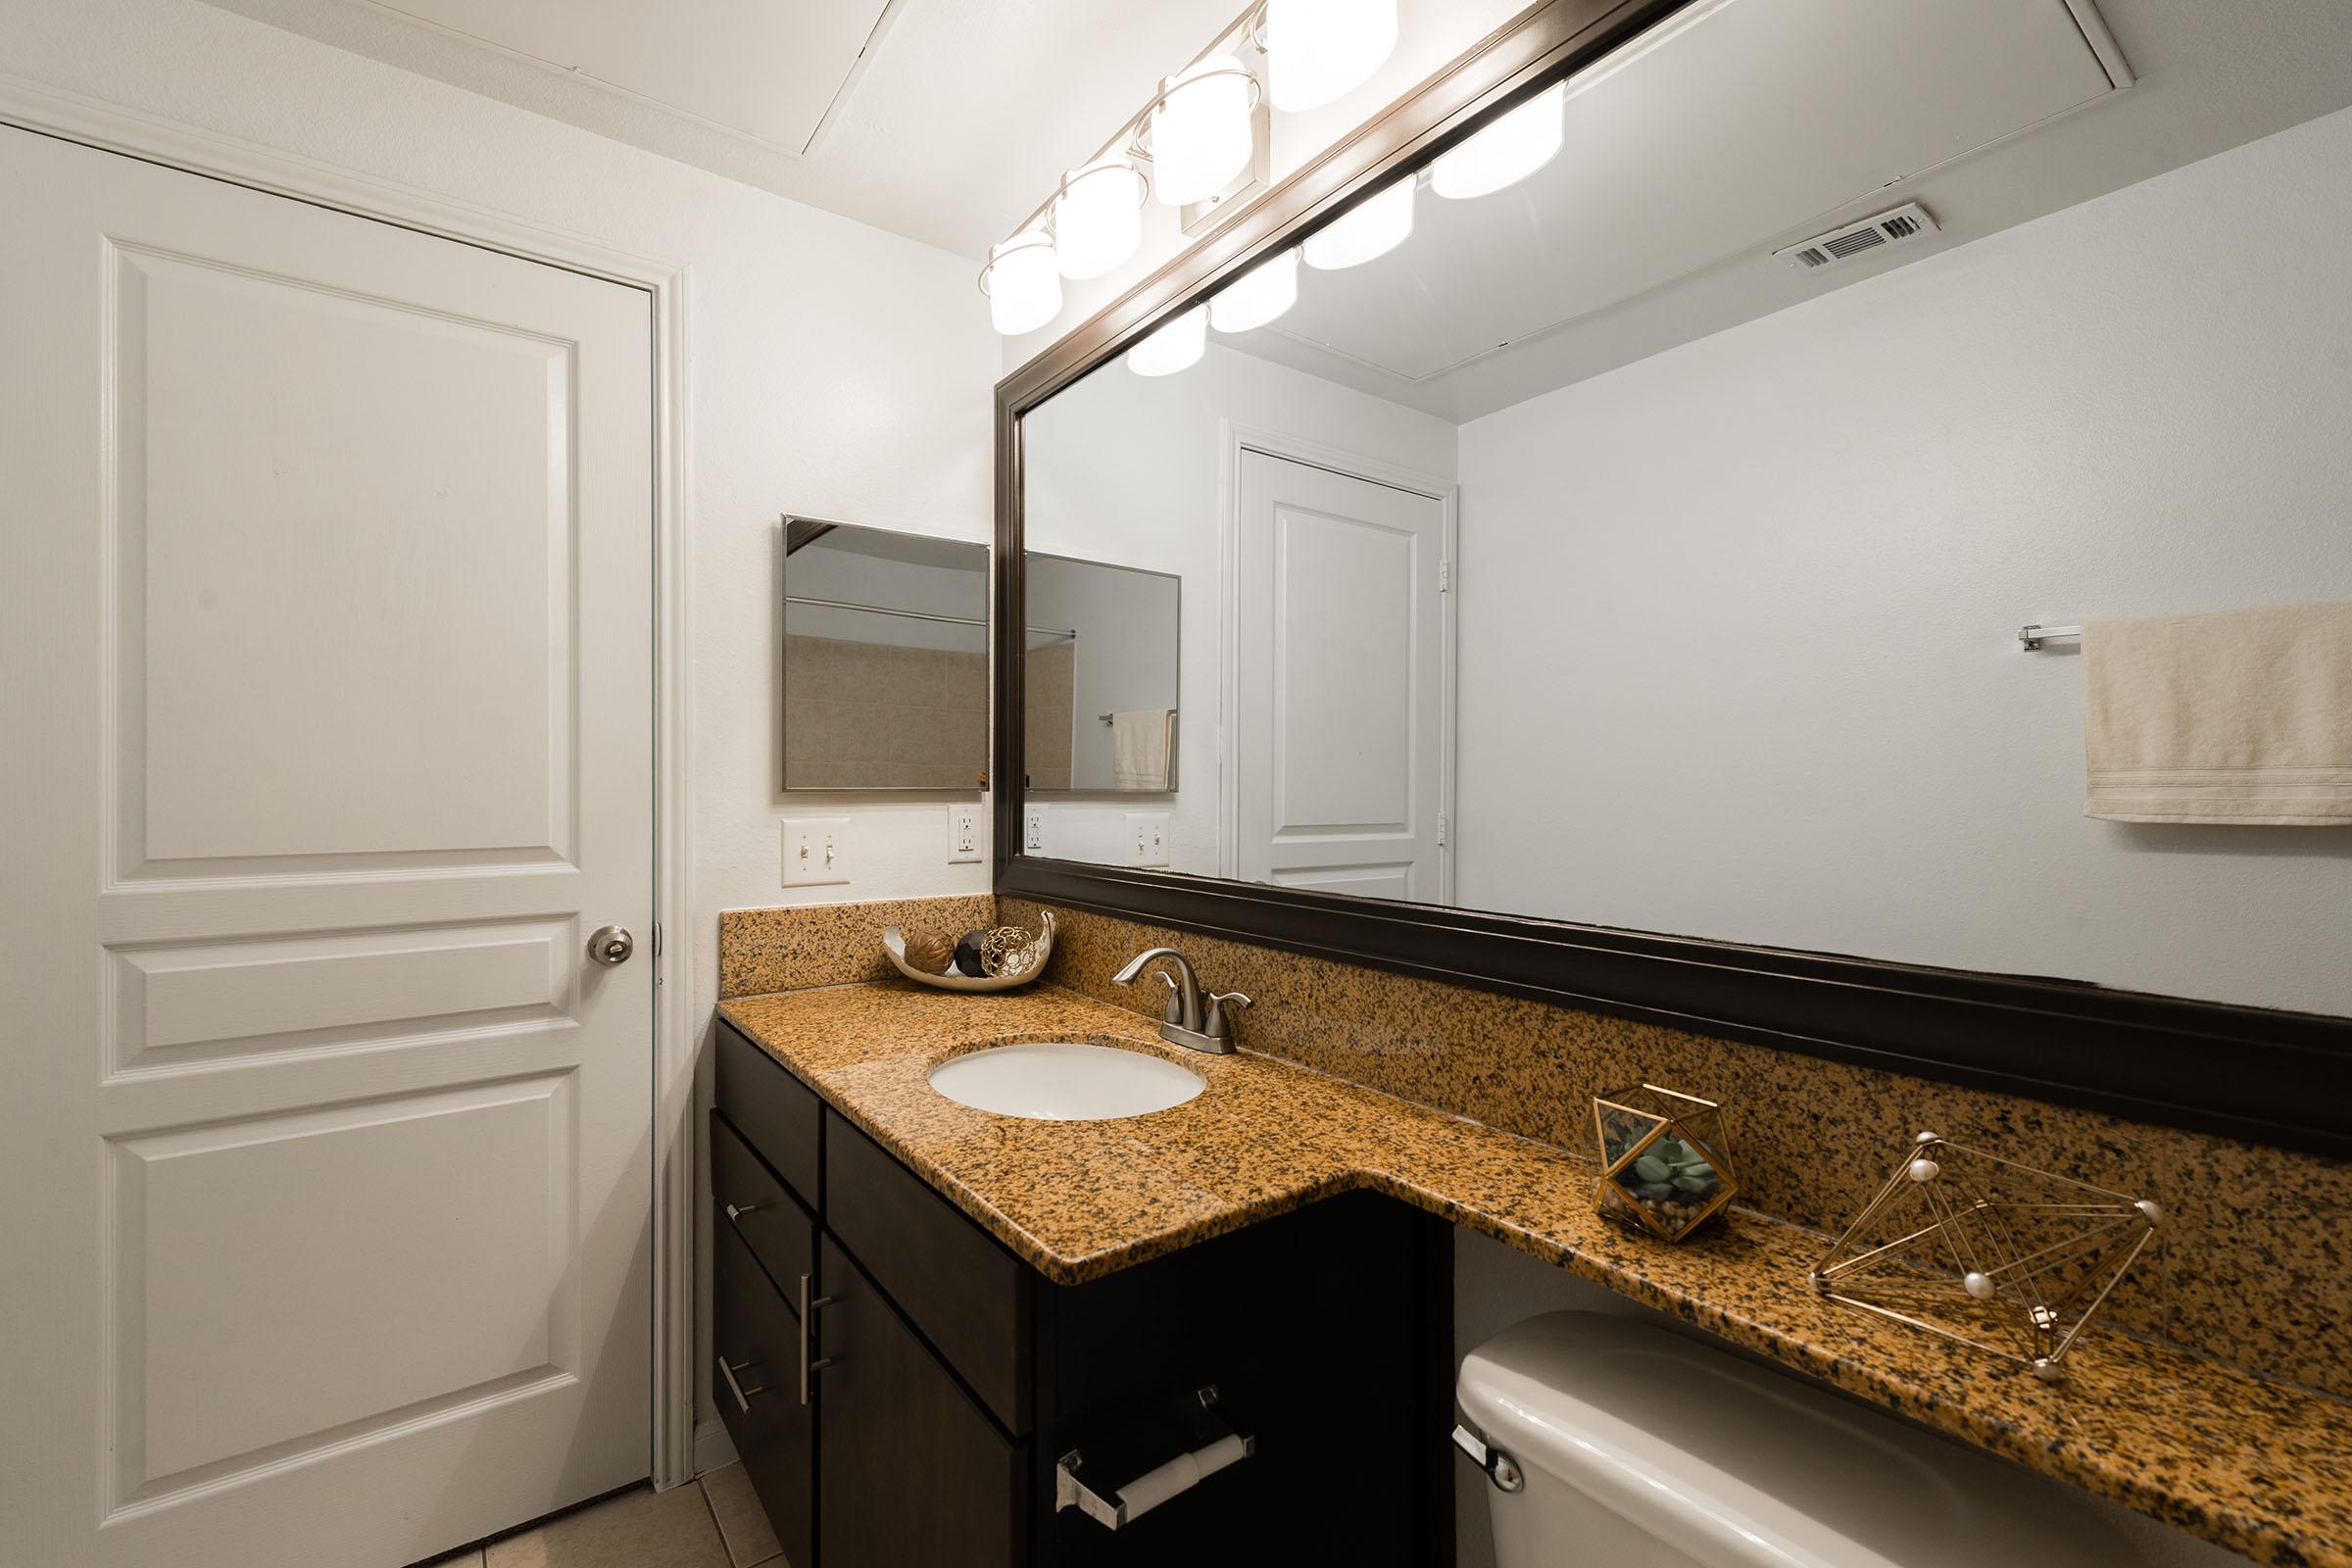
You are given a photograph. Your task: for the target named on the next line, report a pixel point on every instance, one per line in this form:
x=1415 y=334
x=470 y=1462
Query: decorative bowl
x=1021 y=967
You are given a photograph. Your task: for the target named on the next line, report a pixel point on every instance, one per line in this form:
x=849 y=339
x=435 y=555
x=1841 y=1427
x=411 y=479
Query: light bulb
x=1257 y=296
x=1174 y=346
x=1373 y=229
x=1099 y=218
x=1319 y=49
x=1200 y=131
x=1510 y=149
x=1024 y=287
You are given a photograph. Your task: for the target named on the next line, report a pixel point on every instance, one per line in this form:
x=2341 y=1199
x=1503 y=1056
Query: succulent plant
x=1671 y=1170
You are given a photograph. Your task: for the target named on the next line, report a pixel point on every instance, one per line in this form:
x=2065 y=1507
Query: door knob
x=609 y=945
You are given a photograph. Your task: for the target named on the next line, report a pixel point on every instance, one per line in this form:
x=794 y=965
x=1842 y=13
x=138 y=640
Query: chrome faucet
x=1188 y=1023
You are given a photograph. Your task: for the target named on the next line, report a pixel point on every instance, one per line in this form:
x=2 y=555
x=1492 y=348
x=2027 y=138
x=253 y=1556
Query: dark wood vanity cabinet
x=945 y=1377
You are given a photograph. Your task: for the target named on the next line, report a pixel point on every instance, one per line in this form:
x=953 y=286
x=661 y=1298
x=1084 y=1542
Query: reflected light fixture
x=1319 y=49
x=1174 y=346
x=1022 y=283
x=1201 y=134
x=1511 y=148
x=1098 y=217
x=1257 y=296
x=1372 y=229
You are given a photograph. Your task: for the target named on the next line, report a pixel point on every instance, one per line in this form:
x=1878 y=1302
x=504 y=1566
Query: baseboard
x=713 y=1449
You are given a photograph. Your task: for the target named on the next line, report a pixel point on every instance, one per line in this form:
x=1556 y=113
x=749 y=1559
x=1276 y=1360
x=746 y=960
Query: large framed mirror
x=1581 y=600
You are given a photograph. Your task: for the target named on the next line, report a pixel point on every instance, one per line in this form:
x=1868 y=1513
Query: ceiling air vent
x=1890 y=227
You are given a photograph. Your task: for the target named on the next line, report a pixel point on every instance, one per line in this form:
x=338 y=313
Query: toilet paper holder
x=1155 y=1455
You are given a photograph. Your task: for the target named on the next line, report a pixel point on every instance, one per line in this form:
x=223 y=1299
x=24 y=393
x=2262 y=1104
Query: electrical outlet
x=963 y=832
x=1033 y=830
x=816 y=851
x=1149 y=833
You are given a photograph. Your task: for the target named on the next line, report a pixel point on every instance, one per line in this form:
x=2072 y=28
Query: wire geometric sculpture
x=1997 y=1256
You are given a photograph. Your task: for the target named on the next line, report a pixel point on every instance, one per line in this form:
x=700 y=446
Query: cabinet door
x=759 y=1339
x=911 y=1472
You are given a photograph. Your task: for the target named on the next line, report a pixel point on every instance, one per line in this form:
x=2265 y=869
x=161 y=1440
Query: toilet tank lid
x=1738 y=1466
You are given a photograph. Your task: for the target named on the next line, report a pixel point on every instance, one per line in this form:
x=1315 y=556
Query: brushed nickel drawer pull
x=743 y=1396
x=807 y=1316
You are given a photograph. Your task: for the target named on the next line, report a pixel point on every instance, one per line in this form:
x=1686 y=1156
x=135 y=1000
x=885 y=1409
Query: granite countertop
x=2263 y=1468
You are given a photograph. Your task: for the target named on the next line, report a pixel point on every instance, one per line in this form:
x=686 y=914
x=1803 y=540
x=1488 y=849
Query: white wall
x=1778 y=695
x=1126 y=469
x=835 y=372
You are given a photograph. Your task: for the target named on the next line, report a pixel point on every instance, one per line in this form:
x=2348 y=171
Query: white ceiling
x=941 y=119
x=1762 y=123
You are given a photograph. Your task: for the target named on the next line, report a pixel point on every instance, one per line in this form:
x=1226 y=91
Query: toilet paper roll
x=1153 y=1488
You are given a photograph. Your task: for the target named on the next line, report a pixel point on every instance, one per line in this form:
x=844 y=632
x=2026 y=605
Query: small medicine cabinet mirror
x=885 y=659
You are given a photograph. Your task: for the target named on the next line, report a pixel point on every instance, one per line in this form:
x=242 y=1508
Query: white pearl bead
x=1978 y=1285
x=1924 y=1170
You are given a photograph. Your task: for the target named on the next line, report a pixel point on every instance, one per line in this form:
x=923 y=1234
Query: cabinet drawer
x=777 y=1113
x=966 y=1293
x=758 y=1340
x=747 y=1197
x=914 y=1474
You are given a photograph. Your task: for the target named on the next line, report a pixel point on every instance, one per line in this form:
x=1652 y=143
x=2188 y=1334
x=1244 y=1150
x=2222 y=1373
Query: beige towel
x=2244 y=716
x=1139 y=749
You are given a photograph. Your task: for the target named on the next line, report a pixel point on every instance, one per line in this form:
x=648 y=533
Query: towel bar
x=2033 y=637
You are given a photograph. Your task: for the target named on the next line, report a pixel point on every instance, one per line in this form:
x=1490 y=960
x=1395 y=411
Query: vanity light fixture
x=1319 y=49
x=1098 y=217
x=1371 y=229
x=1195 y=136
x=1257 y=296
x=1507 y=151
x=1201 y=131
x=1022 y=283
x=1175 y=346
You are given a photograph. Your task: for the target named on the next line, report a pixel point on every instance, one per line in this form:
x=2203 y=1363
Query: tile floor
x=714 y=1523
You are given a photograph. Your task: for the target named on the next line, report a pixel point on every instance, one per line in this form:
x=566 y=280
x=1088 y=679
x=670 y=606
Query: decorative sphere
x=968 y=954
x=2150 y=1211
x=1978 y=1285
x=2047 y=1370
x=1928 y=1138
x=1924 y=1170
x=931 y=951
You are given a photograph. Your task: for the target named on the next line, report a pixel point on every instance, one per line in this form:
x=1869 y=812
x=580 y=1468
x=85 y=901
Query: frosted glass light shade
x=1201 y=131
x=1257 y=296
x=1319 y=49
x=1509 y=150
x=1375 y=228
x=1097 y=217
x=1174 y=346
x=1024 y=286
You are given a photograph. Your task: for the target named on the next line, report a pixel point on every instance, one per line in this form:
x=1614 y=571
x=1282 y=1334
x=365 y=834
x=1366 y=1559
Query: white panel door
x=327 y=656
x=1339 y=682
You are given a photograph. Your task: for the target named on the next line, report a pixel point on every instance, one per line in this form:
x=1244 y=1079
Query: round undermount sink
x=1061 y=1080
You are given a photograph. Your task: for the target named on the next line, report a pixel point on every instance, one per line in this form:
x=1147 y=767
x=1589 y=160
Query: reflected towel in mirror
x=1139 y=748
x=2244 y=716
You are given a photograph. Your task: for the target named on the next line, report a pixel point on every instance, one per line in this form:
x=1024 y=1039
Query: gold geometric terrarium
x=1666 y=1160
x=1998 y=1255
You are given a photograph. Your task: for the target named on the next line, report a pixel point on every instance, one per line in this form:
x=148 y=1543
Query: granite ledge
x=2261 y=1467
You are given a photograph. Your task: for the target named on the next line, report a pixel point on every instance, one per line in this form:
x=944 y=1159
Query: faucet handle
x=1173 y=1012
x=1218 y=1025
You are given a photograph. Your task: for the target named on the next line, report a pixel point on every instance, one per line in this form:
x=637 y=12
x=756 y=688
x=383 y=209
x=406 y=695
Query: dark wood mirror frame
x=2253 y=1073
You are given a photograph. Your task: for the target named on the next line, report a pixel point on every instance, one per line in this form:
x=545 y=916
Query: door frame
x=1232 y=439
x=114 y=128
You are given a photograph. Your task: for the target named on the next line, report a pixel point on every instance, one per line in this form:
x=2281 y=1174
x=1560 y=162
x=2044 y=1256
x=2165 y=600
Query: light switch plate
x=963 y=832
x=1147 y=835
x=1033 y=830
x=816 y=851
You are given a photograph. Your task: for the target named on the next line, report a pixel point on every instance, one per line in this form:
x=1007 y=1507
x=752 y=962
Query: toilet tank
x=1640 y=1447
